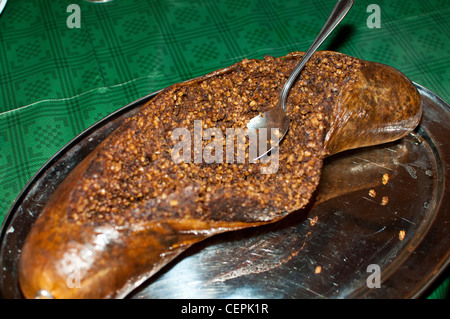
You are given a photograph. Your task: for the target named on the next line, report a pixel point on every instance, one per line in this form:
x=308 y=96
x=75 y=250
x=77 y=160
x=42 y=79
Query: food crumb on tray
x=318 y=270
x=385 y=179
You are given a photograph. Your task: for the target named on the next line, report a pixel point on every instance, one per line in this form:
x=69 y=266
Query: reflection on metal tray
x=324 y=251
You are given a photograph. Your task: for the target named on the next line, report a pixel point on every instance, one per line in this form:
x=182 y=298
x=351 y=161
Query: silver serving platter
x=328 y=250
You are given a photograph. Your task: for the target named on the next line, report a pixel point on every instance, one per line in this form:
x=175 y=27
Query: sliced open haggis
x=139 y=199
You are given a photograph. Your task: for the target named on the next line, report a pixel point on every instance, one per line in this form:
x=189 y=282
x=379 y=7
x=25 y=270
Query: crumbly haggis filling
x=133 y=177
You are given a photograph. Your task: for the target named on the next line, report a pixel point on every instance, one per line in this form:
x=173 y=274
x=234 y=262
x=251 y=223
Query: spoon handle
x=339 y=11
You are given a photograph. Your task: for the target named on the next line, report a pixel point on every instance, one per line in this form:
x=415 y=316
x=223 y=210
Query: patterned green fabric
x=55 y=81
x=442 y=288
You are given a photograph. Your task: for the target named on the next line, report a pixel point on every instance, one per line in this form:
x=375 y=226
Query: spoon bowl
x=276 y=120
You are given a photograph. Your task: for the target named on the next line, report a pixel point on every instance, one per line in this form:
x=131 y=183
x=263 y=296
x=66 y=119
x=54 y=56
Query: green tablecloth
x=55 y=81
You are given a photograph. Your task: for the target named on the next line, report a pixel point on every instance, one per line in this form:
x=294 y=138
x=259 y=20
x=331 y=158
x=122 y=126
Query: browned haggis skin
x=128 y=209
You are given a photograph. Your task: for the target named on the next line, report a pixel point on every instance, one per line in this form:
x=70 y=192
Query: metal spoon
x=276 y=118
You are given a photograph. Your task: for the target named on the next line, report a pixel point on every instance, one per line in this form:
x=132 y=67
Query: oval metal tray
x=332 y=249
